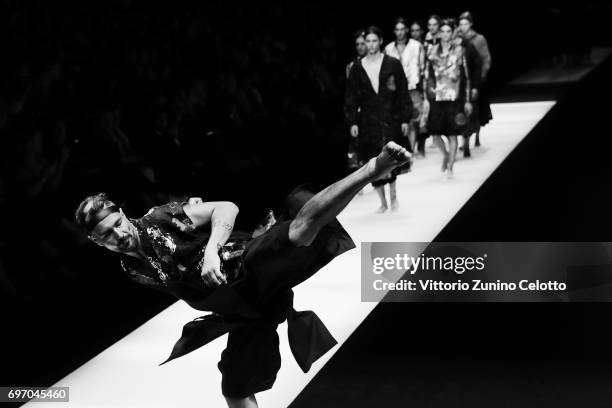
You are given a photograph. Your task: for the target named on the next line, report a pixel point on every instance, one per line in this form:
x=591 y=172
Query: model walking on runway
x=411 y=54
x=482 y=106
x=447 y=92
x=378 y=108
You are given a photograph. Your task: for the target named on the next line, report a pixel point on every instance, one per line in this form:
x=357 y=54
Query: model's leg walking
x=477 y=141
x=393 y=196
x=440 y=143
x=380 y=190
x=324 y=206
x=412 y=137
x=452 y=147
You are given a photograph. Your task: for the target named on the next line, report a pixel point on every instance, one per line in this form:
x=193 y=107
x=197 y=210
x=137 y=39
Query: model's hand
x=474 y=94
x=405 y=129
x=354 y=130
x=468 y=108
x=211 y=270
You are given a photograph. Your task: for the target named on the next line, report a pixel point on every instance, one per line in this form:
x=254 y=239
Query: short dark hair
x=359 y=33
x=466 y=15
x=374 y=30
x=417 y=22
x=400 y=20
x=451 y=22
x=98 y=202
x=435 y=17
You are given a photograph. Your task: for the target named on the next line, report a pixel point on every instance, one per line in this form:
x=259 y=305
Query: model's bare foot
x=382 y=209
x=449 y=174
x=394 y=205
x=444 y=164
x=391 y=156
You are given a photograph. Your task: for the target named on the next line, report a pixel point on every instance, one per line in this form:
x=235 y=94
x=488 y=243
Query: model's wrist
x=212 y=249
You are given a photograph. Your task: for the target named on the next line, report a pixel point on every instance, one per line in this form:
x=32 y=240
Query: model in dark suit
x=378 y=107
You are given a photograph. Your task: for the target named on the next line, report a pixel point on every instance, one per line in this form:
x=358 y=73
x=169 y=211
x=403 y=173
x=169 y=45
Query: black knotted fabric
x=309 y=339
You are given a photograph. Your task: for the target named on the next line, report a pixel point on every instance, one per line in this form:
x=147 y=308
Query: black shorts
x=273 y=265
x=446 y=118
x=250 y=361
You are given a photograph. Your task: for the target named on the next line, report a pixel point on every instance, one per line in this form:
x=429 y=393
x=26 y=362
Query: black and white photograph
x=305 y=204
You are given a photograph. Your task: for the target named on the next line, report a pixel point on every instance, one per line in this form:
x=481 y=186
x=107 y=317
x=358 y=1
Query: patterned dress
x=447 y=87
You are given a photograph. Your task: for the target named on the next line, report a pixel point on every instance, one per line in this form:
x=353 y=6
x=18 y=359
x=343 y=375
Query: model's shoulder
x=414 y=43
x=479 y=39
x=391 y=60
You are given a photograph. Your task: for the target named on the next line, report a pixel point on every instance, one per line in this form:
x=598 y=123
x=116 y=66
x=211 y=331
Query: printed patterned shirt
x=446 y=73
x=174 y=248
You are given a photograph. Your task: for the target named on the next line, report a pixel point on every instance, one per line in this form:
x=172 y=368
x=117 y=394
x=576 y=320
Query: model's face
x=446 y=33
x=416 y=32
x=360 y=46
x=400 y=31
x=373 y=43
x=433 y=26
x=464 y=26
x=115 y=233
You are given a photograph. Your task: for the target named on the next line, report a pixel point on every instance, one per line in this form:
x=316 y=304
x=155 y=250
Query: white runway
x=127 y=373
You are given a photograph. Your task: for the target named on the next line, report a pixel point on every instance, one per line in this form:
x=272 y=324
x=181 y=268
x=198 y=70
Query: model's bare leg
x=477 y=141
x=452 y=147
x=380 y=190
x=440 y=143
x=324 y=206
x=393 y=196
x=247 y=402
x=412 y=136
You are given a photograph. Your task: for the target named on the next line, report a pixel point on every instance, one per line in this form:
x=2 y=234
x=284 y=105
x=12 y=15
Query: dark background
x=95 y=95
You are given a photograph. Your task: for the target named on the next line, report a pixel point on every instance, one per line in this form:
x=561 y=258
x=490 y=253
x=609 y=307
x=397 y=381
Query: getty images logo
x=411 y=264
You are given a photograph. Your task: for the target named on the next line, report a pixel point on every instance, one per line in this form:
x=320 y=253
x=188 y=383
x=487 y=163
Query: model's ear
x=94 y=240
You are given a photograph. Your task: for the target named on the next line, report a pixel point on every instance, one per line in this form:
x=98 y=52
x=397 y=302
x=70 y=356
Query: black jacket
x=378 y=115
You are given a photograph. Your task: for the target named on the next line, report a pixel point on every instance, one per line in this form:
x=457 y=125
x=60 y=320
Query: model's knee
x=244 y=402
x=301 y=232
